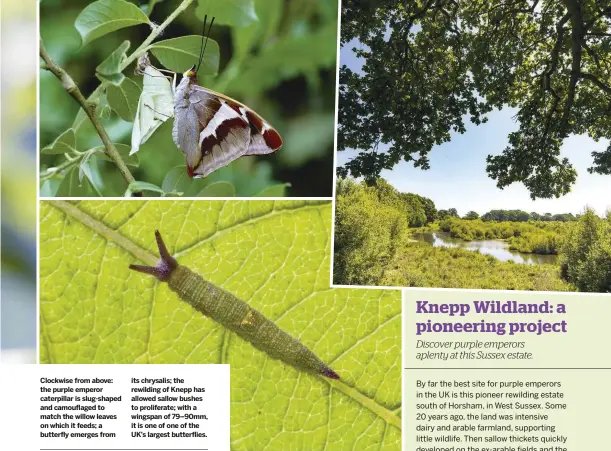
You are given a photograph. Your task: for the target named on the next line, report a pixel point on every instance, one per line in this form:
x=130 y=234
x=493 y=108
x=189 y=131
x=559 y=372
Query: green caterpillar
x=233 y=313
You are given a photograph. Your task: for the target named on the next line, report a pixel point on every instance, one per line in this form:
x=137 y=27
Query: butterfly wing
x=213 y=130
x=199 y=115
x=264 y=139
x=155 y=106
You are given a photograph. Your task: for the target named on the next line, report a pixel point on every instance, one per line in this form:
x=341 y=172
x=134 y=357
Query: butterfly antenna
x=204 y=44
x=201 y=47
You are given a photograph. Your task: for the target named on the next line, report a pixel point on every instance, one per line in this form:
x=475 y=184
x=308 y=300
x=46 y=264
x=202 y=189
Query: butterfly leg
x=165 y=266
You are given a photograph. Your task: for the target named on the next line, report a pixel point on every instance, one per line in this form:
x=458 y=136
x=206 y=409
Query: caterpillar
x=233 y=313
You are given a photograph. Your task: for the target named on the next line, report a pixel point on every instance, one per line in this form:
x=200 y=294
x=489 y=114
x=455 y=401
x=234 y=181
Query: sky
x=458 y=178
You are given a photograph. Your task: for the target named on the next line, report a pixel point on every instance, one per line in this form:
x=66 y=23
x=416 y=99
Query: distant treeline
x=421 y=210
x=372 y=245
x=509 y=215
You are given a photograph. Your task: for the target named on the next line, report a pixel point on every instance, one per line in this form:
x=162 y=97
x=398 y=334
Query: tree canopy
x=428 y=64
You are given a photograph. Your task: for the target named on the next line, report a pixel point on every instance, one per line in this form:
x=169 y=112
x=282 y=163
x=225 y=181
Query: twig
x=71 y=88
x=65 y=165
x=92 y=99
x=156 y=31
x=138 y=52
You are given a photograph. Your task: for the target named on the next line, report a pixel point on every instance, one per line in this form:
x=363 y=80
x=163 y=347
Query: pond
x=496 y=248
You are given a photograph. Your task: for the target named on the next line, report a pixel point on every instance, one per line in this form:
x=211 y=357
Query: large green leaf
x=105 y=16
x=180 y=54
x=237 y=13
x=275 y=256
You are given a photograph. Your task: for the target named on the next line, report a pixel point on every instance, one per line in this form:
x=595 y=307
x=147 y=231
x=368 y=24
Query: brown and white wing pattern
x=225 y=130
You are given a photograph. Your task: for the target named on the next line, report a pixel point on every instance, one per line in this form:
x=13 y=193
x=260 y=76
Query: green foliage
x=522 y=216
x=110 y=69
x=452 y=212
x=370 y=223
x=416 y=209
x=105 y=16
x=239 y=13
x=65 y=143
x=123 y=98
x=586 y=253
x=534 y=237
x=373 y=248
x=471 y=215
x=429 y=64
x=275 y=256
x=421 y=265
x=180 y=54
x=277 y=57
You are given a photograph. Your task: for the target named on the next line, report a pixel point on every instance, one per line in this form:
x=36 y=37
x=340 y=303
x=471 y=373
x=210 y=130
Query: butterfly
x=212 y=129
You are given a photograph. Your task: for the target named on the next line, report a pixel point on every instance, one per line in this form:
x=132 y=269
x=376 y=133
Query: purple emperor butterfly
x=211 y=129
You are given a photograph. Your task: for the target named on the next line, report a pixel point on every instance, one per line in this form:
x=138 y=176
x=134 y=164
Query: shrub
x=586 y=253
x=368 y=230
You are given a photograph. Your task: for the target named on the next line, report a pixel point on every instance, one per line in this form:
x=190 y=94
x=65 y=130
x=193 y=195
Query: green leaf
x=180 y=54
x=142 y=186
x=105 y=16
x=124 y=99
x=148 y=9
x=73 y=186
x=65 y=143
x=273 y=255
x=274 y=191
x=109 y=69
x=178 y=181
x=218 y=189
x=89 y=168
x=49 y=188
x=124 y=150
x=300 y=54
x=269 y=13
x=307 y=137
x=235 y=13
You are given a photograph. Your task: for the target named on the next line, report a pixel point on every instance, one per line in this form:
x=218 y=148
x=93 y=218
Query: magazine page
x=273 y=225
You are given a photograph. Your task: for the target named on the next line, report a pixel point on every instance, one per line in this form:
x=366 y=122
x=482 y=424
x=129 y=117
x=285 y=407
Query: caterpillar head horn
x=165 y=266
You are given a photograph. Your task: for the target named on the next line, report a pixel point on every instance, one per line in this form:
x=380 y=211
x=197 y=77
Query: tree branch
x=577 y=35
x=71 y=88
x=596 y=81
x=547 y=75
x=604 y=13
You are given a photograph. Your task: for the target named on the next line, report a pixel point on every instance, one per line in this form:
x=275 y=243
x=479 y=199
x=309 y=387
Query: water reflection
x=496 y=248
